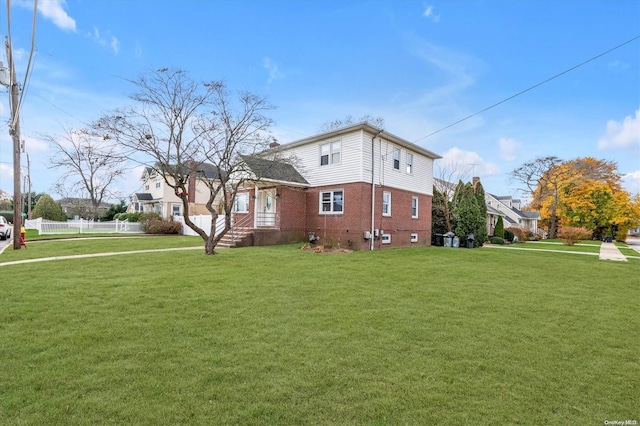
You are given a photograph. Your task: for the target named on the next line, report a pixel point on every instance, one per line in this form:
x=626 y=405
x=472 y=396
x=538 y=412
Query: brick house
x=325 y=192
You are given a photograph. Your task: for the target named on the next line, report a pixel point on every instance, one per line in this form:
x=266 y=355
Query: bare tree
x=349 y=120
x=91 y=166
x=193 y=130
x=445 y=181
x=542 y=179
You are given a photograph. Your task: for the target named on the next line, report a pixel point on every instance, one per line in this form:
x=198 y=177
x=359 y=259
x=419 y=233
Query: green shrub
x=131 y=217
x=47 y=208
x=8 y=216
x=496 y=240
x=508 y=235
x=498 y=231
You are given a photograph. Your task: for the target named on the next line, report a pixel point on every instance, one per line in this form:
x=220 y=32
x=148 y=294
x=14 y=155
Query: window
x=146 y=187
x=331 y=202
x=396 y=158
x=414 y=207
x=414 y=238
x=386 y=203
x=330 y=153
x=409 y=163
x=385 y=238
x=242 y=203
x=176 y=209
x=158 y=184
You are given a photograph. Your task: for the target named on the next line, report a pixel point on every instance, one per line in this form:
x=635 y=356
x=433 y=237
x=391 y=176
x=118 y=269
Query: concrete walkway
x=609 y=251
x=83 y=256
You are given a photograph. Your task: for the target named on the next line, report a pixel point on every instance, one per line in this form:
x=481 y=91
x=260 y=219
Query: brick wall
x=347 y=229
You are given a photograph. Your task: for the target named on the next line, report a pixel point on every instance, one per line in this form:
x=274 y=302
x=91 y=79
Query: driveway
x=634 y=243
x=5 y=243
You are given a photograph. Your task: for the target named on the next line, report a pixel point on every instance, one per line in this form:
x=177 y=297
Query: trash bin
x=456 y=242
x=448 y=239
x=470 y=239
x=438 y=240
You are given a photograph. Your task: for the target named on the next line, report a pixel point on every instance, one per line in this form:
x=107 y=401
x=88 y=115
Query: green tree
x=481 y=233
x=498 y=231
x=469 y=214
x=439 y=210
x=114 y=209
x=47 y=208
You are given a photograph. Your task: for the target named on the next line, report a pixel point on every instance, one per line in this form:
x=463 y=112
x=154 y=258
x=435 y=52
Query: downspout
x=373 y=188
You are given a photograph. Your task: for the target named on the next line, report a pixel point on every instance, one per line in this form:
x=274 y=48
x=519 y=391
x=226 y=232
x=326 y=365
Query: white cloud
x=468 y=163
x=429 y=13
x=6 y=175
x=33 y=145
x=107 y=40
x=274 y=73
x=54 y=10
x=508 y=148
x=631 y=182
x=622 y=134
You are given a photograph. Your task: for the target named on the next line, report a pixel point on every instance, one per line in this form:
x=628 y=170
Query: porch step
x=235 y=238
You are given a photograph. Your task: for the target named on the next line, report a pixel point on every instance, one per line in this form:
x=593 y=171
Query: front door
x=266 y=208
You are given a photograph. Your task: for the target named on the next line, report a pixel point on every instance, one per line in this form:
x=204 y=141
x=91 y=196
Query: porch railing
x=265 y=219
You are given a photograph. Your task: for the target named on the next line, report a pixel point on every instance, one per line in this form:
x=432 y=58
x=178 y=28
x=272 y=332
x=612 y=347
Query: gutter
x=373 y=188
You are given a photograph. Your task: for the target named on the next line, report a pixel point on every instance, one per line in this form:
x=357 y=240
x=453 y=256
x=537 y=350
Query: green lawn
x=276 y=335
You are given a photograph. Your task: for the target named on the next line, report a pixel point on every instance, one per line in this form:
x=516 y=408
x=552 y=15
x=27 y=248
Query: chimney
x=475 y=180
x=274 y=144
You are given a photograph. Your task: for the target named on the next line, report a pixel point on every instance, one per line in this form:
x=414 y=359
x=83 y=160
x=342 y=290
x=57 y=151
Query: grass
x=275 y=335
x=52 y=247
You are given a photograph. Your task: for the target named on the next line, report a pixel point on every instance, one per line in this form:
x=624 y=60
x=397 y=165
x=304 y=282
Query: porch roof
x=274 y=171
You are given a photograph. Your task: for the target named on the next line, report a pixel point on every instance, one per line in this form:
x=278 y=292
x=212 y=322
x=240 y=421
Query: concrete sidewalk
x=609 y=251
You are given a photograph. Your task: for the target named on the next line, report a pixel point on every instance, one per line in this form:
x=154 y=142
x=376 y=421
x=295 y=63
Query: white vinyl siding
x=355 y=163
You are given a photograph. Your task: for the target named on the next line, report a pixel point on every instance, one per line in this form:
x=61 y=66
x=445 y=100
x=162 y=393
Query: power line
x=530 y=88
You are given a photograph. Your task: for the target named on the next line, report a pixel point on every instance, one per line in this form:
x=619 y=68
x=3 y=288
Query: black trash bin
x=438 y=240
x=470 y=239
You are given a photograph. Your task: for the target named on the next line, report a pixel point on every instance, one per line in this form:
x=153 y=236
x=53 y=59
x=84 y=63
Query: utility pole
x=14 y=131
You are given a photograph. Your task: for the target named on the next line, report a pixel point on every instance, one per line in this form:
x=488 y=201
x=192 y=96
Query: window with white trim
x=176 y=209
x=409 y=163
x=331 y=202
x=146 y=187
x=386 y=203
x=330 y=153
x=396 y=158
x=414 y=207
x=158 y=184
x=241 y=204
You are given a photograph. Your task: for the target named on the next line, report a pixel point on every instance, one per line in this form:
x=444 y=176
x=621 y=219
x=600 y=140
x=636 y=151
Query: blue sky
x=420 y=65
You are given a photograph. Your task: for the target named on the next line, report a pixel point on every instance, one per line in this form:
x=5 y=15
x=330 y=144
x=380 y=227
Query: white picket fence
x=201 y=221
x=82 y=226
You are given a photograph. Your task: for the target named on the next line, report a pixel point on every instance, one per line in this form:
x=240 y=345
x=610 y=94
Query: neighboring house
x=82 y=208
x=325 y=192
x=158 y=197
x=512 y=216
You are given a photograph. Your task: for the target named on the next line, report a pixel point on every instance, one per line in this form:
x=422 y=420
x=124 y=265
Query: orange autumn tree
x=588 y=194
